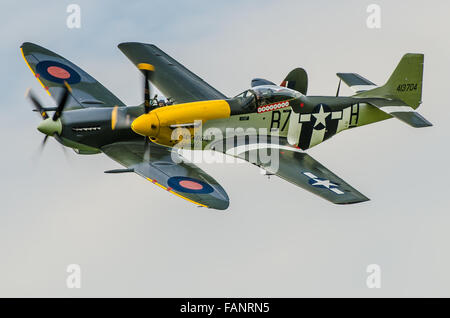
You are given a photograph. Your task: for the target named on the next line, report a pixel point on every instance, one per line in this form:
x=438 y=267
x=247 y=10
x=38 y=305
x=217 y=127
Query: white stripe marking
x=394 y=109
x=310 y=175
x=336 y=190
x=305 y=118
x=363 y=88
x=245 y=148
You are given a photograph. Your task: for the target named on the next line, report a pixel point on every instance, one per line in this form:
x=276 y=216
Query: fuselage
x=304 y=121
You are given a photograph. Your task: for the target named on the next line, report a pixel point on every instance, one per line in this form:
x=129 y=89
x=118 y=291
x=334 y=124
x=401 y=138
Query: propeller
x=123 y=120
x=62 y=102
x=147 y=70
x=50 y=126
x=147 y=107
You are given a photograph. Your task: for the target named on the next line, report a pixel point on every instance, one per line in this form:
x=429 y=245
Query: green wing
x=52 y=70
x=165 y=168
x=170 y=77
x=293 y=165
x=304 y=171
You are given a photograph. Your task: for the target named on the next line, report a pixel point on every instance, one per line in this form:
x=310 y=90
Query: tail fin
x=297 y=79
x=404 y=84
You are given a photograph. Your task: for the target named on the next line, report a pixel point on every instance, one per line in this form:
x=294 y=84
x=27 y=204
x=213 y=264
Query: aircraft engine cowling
x=159 y=124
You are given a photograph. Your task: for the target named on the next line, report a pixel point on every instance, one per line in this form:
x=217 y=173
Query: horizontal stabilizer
x=401 y=111
x=356 y=82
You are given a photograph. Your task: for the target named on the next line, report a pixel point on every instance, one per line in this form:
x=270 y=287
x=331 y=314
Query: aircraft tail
x=402 y=93
x=297 y=79
x=405 y=83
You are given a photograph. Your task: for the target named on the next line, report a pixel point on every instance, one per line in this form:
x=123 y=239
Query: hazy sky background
x=275 y=240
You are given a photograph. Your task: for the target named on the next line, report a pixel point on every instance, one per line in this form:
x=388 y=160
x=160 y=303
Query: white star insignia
x=323 y=183
x=321 y=116
x=326 y=183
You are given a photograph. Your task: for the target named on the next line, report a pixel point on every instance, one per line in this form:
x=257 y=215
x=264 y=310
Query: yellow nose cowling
x=159 y=123
x=146 y=125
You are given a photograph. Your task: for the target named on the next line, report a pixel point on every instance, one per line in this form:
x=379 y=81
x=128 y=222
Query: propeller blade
x=147 y=93
x=43 y=111
x=37 y=104
x=147 y=148
x=44 y=141
x=58 y=138
x=61 y=104
x=147 y=69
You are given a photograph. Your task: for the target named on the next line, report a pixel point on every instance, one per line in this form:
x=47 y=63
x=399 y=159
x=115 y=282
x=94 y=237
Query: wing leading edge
x=401 y=111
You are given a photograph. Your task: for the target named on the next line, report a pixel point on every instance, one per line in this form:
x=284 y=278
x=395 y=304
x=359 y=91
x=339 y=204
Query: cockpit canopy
x=273 y=94
x=265 y=95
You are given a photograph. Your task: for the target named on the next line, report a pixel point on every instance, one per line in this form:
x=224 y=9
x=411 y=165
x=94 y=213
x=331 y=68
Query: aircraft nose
x=146 y=125
x=50 y=127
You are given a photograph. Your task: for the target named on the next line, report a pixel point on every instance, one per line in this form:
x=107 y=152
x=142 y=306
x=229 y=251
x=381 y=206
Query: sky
x=131 y=239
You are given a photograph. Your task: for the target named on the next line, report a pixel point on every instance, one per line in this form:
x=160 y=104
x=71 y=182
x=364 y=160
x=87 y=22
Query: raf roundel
x=189 y=185
x=57 y=72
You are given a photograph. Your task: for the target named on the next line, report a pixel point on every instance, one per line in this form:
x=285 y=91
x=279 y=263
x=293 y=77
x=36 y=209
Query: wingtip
x=223 y=206
x=124 y=45
x=424 y=124
x=361 y=200
x=220 y=202
x=27 y=45
x=28 y=48
x=427 y=124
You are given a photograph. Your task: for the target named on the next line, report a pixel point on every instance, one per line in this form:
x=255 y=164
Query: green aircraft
x=268 y=125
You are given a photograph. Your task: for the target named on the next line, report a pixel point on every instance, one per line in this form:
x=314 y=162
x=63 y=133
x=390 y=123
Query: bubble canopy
x=265 y=95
